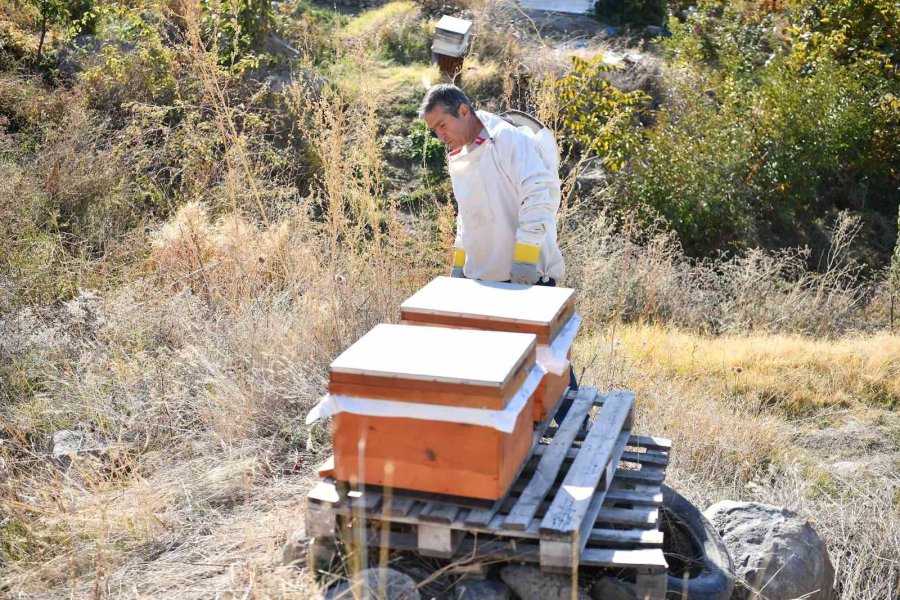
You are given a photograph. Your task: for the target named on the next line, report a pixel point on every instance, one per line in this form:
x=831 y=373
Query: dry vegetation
x=188 y=343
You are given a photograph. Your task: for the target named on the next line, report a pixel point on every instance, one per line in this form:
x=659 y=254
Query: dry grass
x=836 y=466
x=628 y=273
x=792 y=374
x=195 y=367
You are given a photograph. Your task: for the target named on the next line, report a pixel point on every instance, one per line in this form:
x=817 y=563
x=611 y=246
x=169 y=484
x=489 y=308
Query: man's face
x=449 y=129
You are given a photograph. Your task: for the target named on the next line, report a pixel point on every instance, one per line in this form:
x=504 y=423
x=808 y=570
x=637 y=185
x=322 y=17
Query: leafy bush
x=427 y=150
x=850 y=30
x=133 y=64
x=692 y=169
x=597 y=117
x=726 y=36
x=235 y=27
x=757 y=157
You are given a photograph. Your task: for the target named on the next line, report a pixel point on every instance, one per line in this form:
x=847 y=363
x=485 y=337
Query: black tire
x=700 y=566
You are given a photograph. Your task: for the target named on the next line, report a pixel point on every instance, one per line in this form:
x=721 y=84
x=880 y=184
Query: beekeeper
x=507 y=192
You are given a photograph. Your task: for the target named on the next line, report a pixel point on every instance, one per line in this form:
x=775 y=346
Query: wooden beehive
x=494 y=306
x=433 y=367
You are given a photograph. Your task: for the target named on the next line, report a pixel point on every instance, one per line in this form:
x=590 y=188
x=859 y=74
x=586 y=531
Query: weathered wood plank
x=572 y=501
x=555 y=555
x=397 y=506
x=636 y=441
x=590 y=517
x=438 y=541
x=650 y=558
x=649 y=538
x=644 y=475
x=481 y=517
x=639 y=498
x=439 y=513
x=650 y=442
x=633 y=517
x=528 y=551
x=646 y=458
x=655 y=459
x=551 y=460
x=367 y=501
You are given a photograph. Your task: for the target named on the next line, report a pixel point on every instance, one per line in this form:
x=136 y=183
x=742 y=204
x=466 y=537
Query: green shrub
x=749 y=160
x=427 y=150
x=134 y=63
x=849 y=30
x=595 y=116
x=726 y=36
x=692 y=170
x=235 y=27
x=813 y=140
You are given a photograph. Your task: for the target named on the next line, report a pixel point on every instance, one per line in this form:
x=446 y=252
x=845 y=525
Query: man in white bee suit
x=506 y=183
x=507 y=193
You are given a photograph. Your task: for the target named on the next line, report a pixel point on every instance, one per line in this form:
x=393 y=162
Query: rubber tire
x=715 y=581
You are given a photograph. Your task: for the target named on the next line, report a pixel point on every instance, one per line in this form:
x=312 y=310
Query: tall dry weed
x=627 y=273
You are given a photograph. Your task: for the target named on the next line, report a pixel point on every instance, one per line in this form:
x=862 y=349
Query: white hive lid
x=458 y=297
x=425 y=353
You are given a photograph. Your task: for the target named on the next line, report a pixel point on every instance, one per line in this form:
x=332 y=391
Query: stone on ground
x=529 y=583
x=774 y=550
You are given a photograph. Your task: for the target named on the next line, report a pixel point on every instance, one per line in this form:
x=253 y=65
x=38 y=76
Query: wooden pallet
x=587 y=496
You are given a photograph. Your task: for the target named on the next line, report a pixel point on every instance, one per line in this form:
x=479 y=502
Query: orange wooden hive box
x=547 y=312
x=437 y=410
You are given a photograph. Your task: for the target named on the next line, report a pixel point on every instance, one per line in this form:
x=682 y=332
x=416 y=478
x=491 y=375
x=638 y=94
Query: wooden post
x=451 y=67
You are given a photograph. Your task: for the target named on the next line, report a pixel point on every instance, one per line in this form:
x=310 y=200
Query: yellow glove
x=524 y=267
x=459 y=261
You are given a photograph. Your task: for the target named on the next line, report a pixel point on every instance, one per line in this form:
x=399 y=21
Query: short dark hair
x=447 y=96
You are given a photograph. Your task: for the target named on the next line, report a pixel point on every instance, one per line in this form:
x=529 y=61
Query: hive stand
x=588 y=496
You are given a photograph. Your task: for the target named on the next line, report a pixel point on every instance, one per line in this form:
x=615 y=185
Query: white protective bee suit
x=507 y=190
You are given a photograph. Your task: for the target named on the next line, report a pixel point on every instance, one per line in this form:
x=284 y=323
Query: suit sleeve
x=534 y=182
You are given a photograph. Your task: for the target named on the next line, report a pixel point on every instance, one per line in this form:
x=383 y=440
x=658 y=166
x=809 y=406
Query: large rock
x=385 y=584
x=592 y=176
x=612 y=588
x=774 y=550
x=65 y=445
x=531 y=584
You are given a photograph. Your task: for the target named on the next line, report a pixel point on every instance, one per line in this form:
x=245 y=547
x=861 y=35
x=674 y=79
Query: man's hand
x=524 y=267
x=459 y=261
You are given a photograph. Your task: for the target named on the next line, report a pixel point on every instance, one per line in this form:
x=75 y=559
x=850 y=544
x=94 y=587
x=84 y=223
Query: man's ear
x=464 y=111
